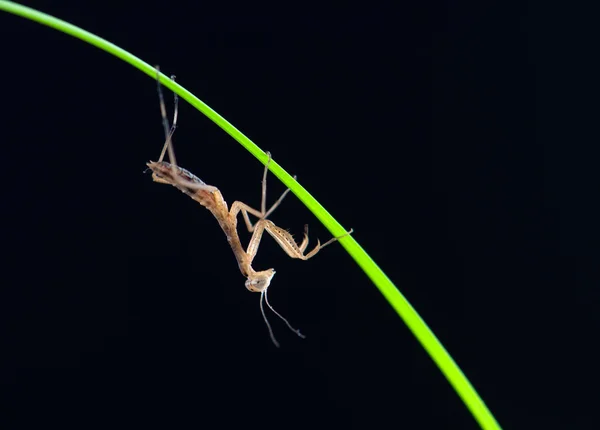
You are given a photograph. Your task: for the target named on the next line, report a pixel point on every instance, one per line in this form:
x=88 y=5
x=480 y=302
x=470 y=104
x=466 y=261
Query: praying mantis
x=168 y=172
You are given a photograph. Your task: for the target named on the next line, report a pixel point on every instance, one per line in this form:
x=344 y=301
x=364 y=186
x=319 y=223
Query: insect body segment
x=210 y=197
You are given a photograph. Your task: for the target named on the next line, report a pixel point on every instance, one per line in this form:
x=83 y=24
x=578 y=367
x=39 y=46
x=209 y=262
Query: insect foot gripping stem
x=257 y=282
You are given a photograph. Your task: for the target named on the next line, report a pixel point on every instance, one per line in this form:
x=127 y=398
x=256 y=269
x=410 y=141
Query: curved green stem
x=404 y=309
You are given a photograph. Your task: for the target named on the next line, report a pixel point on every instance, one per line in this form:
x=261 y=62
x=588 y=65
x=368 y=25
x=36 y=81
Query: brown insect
x=210 y=197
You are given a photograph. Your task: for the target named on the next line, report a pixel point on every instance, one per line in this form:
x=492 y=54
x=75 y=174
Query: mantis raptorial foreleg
x=286 y=240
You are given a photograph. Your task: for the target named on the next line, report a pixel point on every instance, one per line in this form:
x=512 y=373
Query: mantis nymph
x=210 y=197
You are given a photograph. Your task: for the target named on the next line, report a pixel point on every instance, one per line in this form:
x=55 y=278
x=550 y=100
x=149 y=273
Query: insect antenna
x=262 y=310
x=284 y=320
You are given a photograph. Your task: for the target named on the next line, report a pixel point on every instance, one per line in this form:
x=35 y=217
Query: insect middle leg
x=238 y=206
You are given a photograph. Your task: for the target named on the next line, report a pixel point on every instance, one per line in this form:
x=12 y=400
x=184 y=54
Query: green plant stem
x=404 y=309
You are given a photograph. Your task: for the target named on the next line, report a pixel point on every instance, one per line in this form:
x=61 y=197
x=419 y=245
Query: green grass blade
x=404 y=309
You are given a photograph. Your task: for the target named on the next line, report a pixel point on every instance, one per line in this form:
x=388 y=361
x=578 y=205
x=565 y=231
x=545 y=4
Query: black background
x=416 y=125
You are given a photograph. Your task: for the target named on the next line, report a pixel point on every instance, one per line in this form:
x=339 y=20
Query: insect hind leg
x=169 y=130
